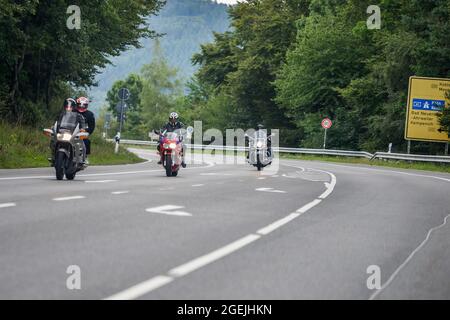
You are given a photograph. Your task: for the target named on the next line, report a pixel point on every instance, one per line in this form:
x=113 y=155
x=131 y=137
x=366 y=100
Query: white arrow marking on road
x=168 y=210
x=7 y=205
x=69 y=198
x=270 y=190
x=100 y=181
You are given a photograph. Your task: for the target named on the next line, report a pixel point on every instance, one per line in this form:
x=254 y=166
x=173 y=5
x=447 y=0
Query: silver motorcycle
x=259 y=154
x=68 y=149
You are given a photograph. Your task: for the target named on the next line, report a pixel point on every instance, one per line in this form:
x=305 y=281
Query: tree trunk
x=38 y=82
x=47 y=88
x=18 y=64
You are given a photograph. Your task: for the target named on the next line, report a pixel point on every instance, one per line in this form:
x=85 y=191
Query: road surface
x=311 y=231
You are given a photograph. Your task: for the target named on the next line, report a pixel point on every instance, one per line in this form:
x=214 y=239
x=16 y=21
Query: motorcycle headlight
x=64 y=136
x=173 y=145
x=260 y=144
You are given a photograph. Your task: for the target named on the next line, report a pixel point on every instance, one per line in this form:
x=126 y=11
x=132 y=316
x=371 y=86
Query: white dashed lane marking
x=69 y=198
x=7 y=205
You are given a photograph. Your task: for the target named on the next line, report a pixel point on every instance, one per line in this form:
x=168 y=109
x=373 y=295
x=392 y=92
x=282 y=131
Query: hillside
x=185 y=24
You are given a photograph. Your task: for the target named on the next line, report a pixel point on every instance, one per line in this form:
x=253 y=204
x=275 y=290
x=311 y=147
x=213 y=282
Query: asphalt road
x=310 y=231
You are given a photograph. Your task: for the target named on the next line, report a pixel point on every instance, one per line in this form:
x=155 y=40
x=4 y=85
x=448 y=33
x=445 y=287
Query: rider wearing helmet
x=68 y=119
x=71 y=106
x=82 y=108
x=173 y=125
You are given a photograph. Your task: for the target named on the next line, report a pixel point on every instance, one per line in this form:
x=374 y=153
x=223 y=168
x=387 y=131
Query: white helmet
x=173 y=115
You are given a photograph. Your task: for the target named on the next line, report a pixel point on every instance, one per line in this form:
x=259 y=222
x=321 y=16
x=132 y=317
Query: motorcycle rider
x=82 y=108
x=69 y=121
x=269 y=141
x=173 y=125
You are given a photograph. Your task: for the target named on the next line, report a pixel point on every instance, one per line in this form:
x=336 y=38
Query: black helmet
x=70 y=103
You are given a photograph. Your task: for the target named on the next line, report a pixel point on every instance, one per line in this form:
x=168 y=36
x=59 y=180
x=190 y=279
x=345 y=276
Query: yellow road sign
x=425 y=101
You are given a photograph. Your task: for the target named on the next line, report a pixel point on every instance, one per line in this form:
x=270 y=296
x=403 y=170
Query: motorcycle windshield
x=69 y=121
x=171 y=136
x=260 y=134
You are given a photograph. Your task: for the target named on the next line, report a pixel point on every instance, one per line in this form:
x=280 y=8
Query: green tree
x=41 y=59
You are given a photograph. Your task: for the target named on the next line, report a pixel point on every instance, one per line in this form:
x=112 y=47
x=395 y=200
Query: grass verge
x=25 y=147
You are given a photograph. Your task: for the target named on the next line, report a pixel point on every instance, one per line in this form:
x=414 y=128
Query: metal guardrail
x=411 y=157
x=342 y=153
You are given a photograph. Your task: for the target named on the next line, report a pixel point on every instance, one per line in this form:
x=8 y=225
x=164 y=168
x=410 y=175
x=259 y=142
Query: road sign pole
x=124 y=94
x=325 y=139
x=409 y=147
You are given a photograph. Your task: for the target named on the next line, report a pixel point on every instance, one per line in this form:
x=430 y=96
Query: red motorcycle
x=170 y=150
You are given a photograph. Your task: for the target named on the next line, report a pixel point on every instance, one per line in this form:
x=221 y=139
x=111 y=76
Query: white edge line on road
x=277 y=224
x=213 y=256
x=397 y=271
x=142 y=288
x=309 y=206
x=69 y=198
x=7 y=205
x=99 y=181
x=161 y=280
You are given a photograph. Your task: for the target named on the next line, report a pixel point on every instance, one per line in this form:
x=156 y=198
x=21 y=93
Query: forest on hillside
x=287 y=64
x=183 y=25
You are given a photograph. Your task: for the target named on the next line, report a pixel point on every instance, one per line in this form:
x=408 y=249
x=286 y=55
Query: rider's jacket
x=169 y=127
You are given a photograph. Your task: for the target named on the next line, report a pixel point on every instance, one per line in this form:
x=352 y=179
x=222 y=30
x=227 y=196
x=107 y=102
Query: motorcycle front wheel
x=168 y=165
x=59 y=165
x=258 y=163
x=70 y=176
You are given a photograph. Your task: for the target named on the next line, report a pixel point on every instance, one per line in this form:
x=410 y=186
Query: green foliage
x=41 y=59
x=288 y=64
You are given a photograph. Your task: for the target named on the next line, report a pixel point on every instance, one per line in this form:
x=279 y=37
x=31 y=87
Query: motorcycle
x=68 y=151
x=170 y=150
x=259 y=154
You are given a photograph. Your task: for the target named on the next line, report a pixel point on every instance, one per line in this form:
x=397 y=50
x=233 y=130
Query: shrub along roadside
x=26 y=147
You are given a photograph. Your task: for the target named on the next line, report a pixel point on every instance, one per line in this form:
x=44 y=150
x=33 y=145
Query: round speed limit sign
x=326 y=123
